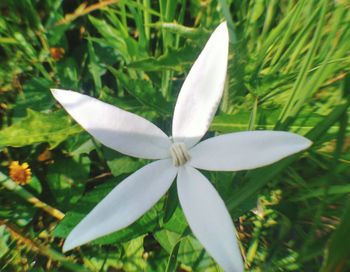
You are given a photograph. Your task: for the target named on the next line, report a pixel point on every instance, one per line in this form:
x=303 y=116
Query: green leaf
x=144 y=91
x=173 y=59
x=4 y=239
x=173 y=262
x=79 y=144
x=116 y=39
x=66 y=179
x=192 y=253
x=35 y=96
x=68 y=73
x=133 y=260
x=146 y=223
x=37 y=127
x=186 y=249
x=177 y=222
x=130 y=104
x=167 y=239
x=96 y=68
x=120 y=164
x=337 y=253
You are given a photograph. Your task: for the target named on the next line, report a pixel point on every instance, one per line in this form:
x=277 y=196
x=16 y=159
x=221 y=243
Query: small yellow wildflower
x=20 y=173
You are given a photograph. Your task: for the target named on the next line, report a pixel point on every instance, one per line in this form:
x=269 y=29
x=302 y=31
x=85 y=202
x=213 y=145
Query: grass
x=288 y=70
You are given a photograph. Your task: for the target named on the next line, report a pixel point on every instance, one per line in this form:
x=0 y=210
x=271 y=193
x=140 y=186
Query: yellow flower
x=20 y=173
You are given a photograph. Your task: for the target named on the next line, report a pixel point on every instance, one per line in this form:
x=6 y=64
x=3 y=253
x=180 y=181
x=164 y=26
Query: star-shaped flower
x=178 y=156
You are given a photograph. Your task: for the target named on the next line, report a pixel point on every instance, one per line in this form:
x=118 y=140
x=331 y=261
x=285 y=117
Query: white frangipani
x=178 y=156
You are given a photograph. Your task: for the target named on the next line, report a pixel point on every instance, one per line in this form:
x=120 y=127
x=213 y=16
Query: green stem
x=23 y=193
x=41 y=249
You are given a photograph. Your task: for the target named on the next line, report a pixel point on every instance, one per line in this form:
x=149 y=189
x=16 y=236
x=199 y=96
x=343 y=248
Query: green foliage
x=38 y=127
x=288 y=70
x=338 y=252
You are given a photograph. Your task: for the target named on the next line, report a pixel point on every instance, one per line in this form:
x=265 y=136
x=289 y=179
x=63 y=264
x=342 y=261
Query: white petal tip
x=221 y=33
x=66 y=247
x=223 y=25
x=305 y=143
x=55 y=91
x=70 y=243
x=309 y=143
x=58 y=93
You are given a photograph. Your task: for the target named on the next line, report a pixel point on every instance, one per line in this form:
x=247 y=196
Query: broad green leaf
x=130 y=104
x=133 y=260
x=66 y=179
x=144 y=91
x=177 y=222
x=173 y=59
x=189 y=250
x=79 y=144
x=192 y=253
x=37 y=127
x=120 y=164
x=123 y=44
x=36 y=96
x=167 y=239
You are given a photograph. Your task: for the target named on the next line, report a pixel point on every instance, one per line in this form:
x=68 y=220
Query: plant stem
x=20 y=191
x=38 y=248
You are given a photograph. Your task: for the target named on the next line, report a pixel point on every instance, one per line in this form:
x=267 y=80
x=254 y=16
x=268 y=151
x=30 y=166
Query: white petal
x=123 y=131
x=208 y=218
x=202 y=90
x=125 y=203
x=246 y=150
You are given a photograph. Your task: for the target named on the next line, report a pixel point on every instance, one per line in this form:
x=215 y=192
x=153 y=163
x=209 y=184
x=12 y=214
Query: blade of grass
x=297 y=92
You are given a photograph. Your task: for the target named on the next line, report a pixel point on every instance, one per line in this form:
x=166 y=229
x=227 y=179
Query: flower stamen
x=179 y=154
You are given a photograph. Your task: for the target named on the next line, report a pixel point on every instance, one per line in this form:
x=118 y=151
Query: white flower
x=178 y=156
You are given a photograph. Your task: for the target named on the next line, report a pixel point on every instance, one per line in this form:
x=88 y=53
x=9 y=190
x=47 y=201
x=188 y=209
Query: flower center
x=20 y=173
x=179 y=154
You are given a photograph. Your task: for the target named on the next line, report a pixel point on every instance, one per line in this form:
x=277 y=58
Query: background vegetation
x=288 y=70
